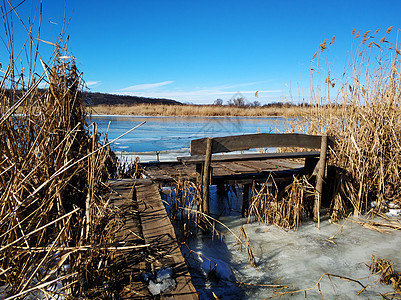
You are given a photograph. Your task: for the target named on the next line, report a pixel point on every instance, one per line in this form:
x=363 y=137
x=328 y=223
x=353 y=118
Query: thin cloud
x=91 y=83
x=172 y=94
x=204 y=95
x=232 y=86
x=145 y=86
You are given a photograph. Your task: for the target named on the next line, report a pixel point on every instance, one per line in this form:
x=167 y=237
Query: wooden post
x=245 y=200
x=206 y=176
x=319 y=180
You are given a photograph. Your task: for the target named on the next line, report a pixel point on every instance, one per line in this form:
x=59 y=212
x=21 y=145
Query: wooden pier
x=207 y=165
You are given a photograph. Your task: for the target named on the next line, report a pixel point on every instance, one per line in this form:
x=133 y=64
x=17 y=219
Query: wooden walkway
x=158 y=232
x=129 y=263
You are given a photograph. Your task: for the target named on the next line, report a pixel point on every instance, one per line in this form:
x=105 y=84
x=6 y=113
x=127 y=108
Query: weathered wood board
x=232 y=171
x=260 y=140
x=249 y=156
x=158 y=231
x=128 y=262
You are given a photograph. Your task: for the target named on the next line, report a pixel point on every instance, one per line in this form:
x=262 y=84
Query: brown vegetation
x=57 y=226
x=198 y=110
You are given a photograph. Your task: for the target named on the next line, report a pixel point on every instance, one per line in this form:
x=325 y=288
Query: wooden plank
x=244 y=178
x=168 y=173
x=237 y=167
x=261 y=165
x=288 y=164
x=158 y=231
x=260 y=140
x=129 y=262
x=248 y=156
x=219 y=170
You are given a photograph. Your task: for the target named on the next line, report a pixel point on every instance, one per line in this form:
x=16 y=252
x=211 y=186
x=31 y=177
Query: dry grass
x=384 y=268
x=197 y=110
x=282 y=206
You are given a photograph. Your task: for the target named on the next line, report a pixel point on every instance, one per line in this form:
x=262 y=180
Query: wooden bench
x=203 y=152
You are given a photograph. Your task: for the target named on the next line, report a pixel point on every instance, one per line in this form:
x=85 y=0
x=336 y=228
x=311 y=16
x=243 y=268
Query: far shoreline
x=190 y=110
x=175 y=116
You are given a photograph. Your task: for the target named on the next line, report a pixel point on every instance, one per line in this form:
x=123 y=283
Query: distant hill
x=93 y=99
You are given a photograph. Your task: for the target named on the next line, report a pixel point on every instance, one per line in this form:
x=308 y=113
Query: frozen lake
x=295 y=259
x=171 y=136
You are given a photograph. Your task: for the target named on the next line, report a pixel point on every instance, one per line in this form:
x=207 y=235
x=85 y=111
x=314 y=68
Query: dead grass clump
x=384 y=268
x=284 y=207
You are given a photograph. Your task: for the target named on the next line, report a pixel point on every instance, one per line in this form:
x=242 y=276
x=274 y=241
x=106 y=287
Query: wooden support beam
x=245 y=200
x=311 y=165
x=248 y=156
x=319 y=180
x=206 y=176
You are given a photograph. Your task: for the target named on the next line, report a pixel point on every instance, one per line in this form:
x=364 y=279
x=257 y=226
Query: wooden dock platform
x=158 y=232
x=225 y=172
x=209 y=164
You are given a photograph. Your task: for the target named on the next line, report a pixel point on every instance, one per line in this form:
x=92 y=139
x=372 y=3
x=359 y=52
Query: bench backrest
x=259 y=140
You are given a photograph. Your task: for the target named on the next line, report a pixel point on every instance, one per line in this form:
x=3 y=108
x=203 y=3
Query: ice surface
x=301 y=258
x=151 y=156
x=163 y=274
x=294 y=259
x=157 y=288
x=393 y=212
x=161 y=282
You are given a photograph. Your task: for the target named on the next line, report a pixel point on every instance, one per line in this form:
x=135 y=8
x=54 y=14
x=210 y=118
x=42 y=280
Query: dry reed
x=282 y=206
x=197 y=110
x=365 y=118
x=384 y=268
x=57 y=227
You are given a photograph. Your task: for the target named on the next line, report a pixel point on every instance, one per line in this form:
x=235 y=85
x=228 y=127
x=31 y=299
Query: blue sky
x=198 y=51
